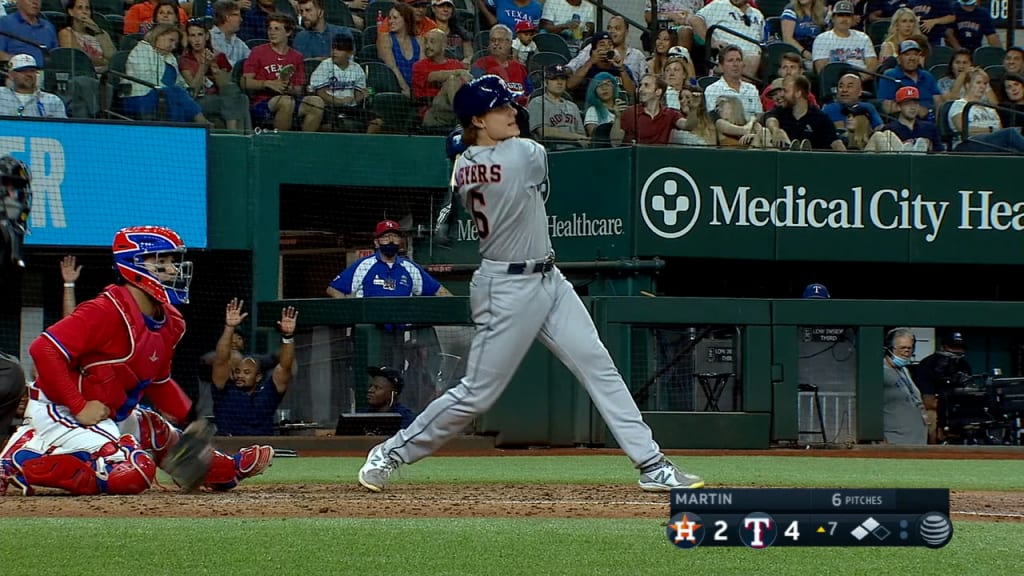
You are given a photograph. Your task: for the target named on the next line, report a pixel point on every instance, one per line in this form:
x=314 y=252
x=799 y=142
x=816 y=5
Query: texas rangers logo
x=670 y=202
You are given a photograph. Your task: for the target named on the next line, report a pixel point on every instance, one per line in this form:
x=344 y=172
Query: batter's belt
x=536 y=266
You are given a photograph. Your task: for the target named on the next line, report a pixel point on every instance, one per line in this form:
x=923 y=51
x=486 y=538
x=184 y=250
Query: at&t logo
x=670 y=202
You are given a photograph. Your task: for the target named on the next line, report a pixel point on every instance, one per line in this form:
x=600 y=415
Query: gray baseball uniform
x=12 y=384
x=517 y=295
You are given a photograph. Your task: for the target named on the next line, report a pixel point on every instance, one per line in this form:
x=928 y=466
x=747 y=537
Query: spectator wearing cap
x=317 y=35
x=23 y=96
x=848 y=93
x=790 y=64
x=385 y=273
x=460 y=40
x=421 y=23
x=971 y=27
x=844 y=44
x=798 y=121
x=386 y=385
x=1013 y=100
x=501 y=63
x=858 y=134
x=523 y=46
x=26 y=23
x=341 y=83
x=574 y=20
x=509 y=12
x=816 y=291
x=738 y=16
x=909 y=74
x=435 y=79
x=649 y=121
x=913 y=133
x=556 y=121
x=731 y=62
x=603 y=58
x=634 y=60
x=937 y=375
x=679 y=75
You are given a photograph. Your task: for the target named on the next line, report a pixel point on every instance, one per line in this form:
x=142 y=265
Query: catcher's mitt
x=189 y=460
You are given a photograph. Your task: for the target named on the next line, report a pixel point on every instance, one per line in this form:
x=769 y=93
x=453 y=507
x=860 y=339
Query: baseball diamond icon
x=670 y=202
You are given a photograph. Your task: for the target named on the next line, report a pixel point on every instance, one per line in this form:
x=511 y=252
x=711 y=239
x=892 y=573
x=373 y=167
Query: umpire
x=12 y=386
x=936 y=375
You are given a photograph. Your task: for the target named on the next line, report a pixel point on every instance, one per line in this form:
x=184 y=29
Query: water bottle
x=380 y=19
x=369 y=94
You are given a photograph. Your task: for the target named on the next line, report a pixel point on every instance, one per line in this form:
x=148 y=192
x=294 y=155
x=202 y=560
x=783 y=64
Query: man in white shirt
x=731 y=61
x=25 y=99
x=843 y=44
x=738 y=16
x=227 y=19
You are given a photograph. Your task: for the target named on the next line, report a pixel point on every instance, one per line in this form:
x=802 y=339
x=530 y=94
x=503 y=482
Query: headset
x=892 y=334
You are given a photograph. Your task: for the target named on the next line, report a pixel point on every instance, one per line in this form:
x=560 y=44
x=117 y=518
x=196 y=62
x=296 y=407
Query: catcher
x=87 y=434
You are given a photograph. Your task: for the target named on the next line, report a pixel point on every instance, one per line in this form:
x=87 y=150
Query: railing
x=838 y=411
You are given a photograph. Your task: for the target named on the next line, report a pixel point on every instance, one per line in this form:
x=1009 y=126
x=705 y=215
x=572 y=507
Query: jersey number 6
x=482 y=227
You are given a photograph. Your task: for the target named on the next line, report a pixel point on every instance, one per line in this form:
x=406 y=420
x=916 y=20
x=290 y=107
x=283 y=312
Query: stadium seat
x=370 y=36
x=337 y=12
x=878 y=30
x=541 y=60
x=381 y=78
x=108 y=7
x=368 y=53
x=828 y=79
x=704 y=81
x=482 y=40
x=552 y=43
x=52 y=6
x=129 y=41
x=995 y=71
x=397 y=111
x=986 y=56
x=58 y=19
x=773 y=56
x=309 y=65
x=62 y=64
x=939 y=70
x=946 y=132
x=254 y=42
x=939 y=55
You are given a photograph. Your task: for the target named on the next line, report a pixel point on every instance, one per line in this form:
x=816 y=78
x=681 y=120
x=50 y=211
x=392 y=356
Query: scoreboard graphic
x=764 y=517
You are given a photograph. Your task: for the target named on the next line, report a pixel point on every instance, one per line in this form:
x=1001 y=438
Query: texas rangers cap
x=525 y=26
x=816 y=292
x=843 y=7
x=441 y=2
x=907 y=93
x=679 y=52
x=392 y=375
x=384 y=227
x=908 y=45
x=23 y=62
x=857 y=110
x=598 y=36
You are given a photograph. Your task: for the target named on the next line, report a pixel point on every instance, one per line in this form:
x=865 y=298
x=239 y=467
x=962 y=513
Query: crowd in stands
x=881 y=75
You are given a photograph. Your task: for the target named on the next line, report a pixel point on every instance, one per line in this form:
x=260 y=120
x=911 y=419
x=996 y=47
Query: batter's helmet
x=481 y=96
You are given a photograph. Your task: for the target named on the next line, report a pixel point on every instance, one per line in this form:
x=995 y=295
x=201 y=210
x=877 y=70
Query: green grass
x=472 y=546
x=512 y=546
x=1000 y=475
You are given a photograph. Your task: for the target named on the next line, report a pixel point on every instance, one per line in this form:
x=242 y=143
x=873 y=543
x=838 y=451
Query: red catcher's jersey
x=105 y=351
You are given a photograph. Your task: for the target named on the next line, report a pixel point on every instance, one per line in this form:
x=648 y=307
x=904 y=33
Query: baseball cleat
x=376 y=472
x=663 y=476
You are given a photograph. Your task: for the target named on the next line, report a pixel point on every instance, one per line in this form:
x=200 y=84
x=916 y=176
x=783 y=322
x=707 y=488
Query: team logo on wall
x=670 y=202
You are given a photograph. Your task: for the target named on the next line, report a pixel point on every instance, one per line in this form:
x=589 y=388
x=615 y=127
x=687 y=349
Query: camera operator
x=937 y=375
x=603 y=58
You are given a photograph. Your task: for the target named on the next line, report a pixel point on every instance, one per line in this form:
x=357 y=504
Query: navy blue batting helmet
x=480 y=96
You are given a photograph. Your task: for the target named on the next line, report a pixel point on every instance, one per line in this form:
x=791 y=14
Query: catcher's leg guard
x=227 y=471
x=81 y=473
x=71 y=472
x=156 y=434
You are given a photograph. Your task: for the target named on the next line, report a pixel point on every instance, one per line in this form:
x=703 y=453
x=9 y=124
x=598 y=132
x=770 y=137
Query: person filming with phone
x=603 y=58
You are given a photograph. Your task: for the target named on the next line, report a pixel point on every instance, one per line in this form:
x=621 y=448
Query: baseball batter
x=516 y=295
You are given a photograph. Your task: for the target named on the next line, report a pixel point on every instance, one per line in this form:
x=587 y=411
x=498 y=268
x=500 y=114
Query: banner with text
x=588 y=206
x=91 y=179
x=828 y=206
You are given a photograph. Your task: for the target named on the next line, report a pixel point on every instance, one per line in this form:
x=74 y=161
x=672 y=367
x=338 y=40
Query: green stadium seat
x=986 y=56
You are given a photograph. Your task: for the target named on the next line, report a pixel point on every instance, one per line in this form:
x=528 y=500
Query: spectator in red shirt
x=501 y=63
x=648 y=122
x=435 y=79
x=276 y=74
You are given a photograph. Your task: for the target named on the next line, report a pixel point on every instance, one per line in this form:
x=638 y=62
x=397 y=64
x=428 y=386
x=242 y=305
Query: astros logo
x=670 y=202
x=685 y=530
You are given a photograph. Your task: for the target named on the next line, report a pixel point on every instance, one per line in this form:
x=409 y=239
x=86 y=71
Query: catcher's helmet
x=165 y=284
x=17 y=193
x=481 y=96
